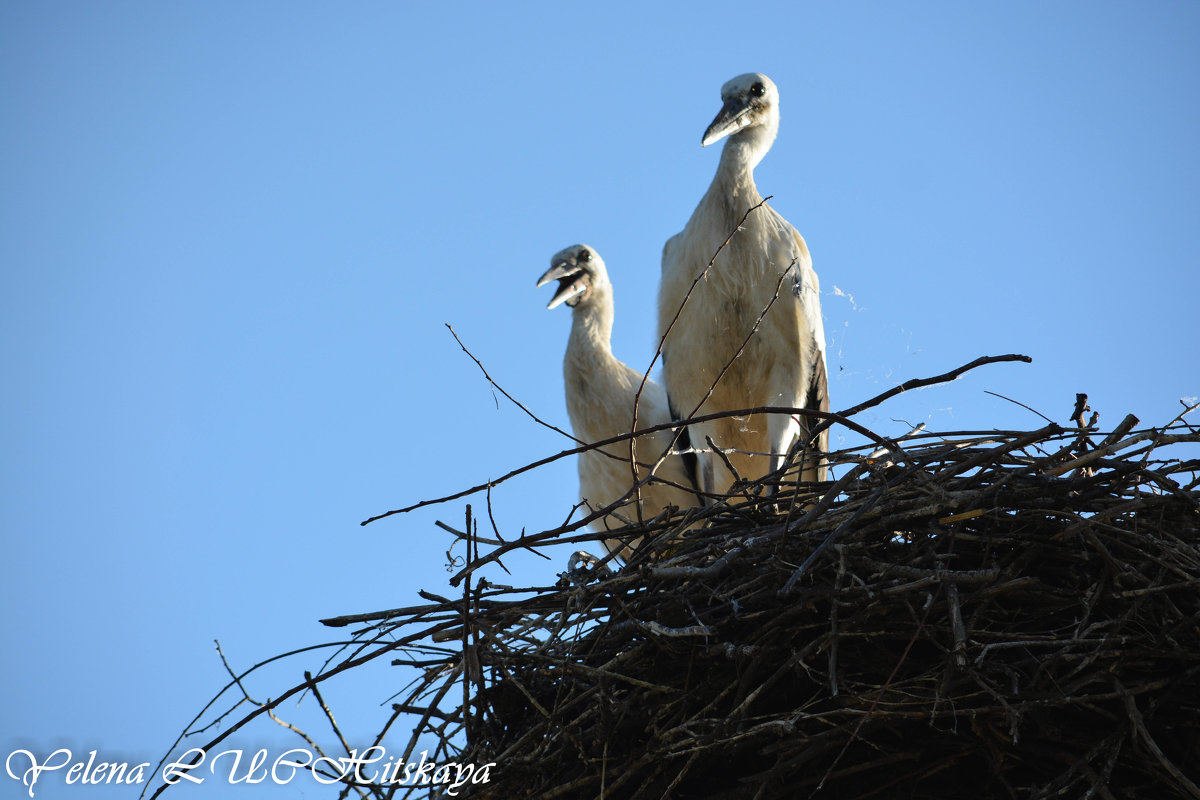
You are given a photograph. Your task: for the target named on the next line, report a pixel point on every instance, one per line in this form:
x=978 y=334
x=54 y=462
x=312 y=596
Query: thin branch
x=637 y=398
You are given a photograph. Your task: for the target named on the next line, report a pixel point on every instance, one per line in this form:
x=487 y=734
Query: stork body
x=783 y=362
x=600 y=392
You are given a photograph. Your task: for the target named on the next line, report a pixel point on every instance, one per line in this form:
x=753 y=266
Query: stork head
x=580 y=273
x=750 y=101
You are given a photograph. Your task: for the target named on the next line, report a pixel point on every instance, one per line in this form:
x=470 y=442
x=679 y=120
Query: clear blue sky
x=230 y=234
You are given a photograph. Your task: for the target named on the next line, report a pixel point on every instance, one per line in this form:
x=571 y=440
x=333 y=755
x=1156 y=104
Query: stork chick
x=600 y=398
x=783 y=363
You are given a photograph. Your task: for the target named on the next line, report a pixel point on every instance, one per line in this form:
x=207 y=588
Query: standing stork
x=783 y=363
x=600 y=398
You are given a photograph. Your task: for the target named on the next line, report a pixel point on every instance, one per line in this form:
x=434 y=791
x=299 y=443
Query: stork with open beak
x=600 y=394
x=783 y=363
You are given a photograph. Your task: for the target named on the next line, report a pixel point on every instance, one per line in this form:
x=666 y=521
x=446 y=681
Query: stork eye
x=757 y=90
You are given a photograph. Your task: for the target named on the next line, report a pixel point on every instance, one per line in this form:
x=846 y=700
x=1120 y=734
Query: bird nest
x=975 y=615
x=1000 y=614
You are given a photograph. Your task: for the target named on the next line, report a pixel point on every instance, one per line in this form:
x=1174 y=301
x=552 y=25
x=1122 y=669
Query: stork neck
x=739 y=157
x=591 y=327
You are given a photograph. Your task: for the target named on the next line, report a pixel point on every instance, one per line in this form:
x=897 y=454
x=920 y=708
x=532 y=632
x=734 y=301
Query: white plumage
x=783 y=363
x=600 y=394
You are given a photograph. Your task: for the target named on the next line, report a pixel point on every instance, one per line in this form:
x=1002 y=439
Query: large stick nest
x=973 y=615
x=1006 y=614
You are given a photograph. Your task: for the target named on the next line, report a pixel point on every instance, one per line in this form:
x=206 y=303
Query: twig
x=1139 y=724
x=883 y=441
x=1019 y=403
x=504 y=392
x=918 y=383
x=637 y=398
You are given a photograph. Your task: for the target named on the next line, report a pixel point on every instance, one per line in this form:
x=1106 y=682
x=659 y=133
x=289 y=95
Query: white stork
x=600 y=397
x=783 y=364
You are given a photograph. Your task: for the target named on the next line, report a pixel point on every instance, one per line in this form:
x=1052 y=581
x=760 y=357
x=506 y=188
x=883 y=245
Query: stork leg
x=812 y=466
x=693 y=462
x=708 y=481
x=782 y=432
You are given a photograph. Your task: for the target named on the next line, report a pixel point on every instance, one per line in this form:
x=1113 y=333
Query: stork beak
x=732 y=117
x=572 y=282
